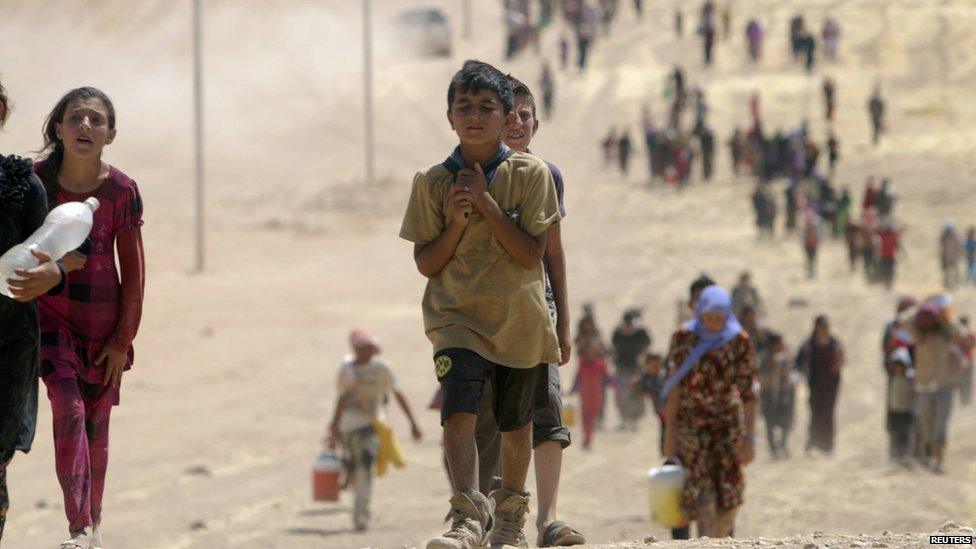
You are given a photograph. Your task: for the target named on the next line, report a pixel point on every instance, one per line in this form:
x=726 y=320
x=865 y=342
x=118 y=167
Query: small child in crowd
x=365 y=383
x=900 y=403
x=778 y=395
x=650 y=383
x=592 y=377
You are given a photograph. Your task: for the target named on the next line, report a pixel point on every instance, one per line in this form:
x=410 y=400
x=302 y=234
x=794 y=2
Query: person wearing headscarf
x=821 y=358
x=894 y=336
x=710 y=396
x=686 y=309
x=365 y=384
x=939 y=364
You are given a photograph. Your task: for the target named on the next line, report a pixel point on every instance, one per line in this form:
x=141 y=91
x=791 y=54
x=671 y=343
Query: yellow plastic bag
x=569 y=414
x=390 y=450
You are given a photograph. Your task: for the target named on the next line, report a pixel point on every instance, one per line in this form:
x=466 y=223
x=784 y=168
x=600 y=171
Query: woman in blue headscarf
x=711 y=411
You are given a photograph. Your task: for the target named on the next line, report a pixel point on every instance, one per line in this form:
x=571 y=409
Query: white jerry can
x=665 y=487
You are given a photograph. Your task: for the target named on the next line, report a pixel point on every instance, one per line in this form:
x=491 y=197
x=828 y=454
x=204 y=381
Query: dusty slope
x=221 y=416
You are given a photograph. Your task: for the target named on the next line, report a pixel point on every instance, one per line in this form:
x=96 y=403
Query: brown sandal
x=560 y=534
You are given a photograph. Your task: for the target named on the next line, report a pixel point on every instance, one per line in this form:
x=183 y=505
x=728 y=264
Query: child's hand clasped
x=477 y=185
x=461 y=203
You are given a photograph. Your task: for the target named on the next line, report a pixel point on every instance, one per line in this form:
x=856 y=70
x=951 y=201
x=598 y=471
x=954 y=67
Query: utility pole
x=198 y=130
x=368 y=91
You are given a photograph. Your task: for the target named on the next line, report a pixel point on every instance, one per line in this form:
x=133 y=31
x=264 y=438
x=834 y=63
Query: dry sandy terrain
x=232 y=388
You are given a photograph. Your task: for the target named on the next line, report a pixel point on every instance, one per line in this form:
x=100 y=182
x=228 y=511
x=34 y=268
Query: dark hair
x=652 y=357
x=584 y=321
x=820 y=320
x=775 y=339
x=631 y=314
x=475 y=76
x=5 y=101
x=700 y=284
x=54 y=146
x=520 y=89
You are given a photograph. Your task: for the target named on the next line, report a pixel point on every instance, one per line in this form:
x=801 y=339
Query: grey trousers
x=359 y=451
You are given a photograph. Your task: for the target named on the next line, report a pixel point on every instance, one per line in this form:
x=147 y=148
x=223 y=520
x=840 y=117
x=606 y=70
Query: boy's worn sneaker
x=470 y=517
x=508 y=529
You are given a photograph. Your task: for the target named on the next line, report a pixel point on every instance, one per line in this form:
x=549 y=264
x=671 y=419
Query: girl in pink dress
x=592 y=377
x=87 y=329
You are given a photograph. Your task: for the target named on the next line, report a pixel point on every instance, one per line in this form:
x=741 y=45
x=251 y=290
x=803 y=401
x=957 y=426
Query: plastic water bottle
x=65 y=228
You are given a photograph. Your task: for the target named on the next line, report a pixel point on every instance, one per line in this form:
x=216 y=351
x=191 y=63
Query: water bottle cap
x=93 y=203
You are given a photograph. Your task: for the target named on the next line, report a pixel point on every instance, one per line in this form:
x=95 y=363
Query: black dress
x=23 y=206
x=630 y=401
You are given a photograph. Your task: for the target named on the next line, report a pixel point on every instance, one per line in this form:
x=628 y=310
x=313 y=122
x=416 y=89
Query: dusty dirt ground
x=223 y=411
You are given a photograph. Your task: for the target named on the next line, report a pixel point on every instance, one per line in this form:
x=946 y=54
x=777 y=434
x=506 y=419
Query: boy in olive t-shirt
x=478 y=222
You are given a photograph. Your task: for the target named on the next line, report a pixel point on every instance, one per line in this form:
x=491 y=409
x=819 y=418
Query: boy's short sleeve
x=540 y=205
x=424 y=220
x=557 y=179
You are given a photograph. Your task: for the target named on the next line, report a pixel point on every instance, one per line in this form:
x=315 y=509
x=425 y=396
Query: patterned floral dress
x=711 y=417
